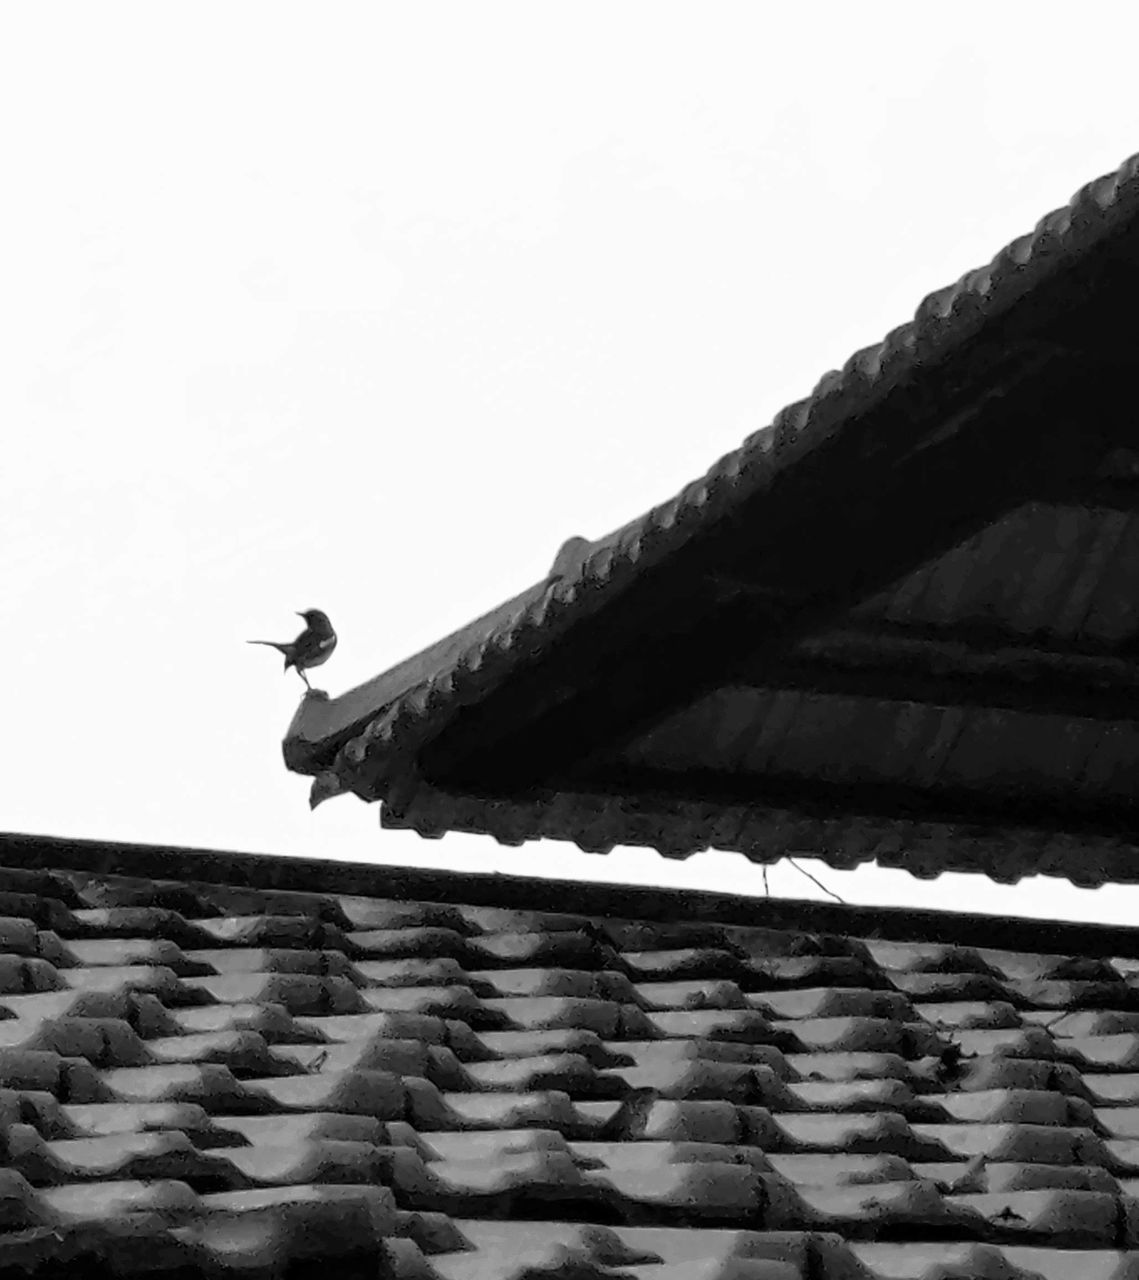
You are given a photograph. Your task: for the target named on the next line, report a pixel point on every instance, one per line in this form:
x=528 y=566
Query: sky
x=368 y=307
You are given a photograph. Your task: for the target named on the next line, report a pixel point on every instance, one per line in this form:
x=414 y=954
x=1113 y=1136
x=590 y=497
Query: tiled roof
x=383 y=723
x=240 y=1079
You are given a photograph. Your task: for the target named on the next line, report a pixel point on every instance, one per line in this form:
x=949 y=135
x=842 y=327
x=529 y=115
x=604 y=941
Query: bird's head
x=314 y=617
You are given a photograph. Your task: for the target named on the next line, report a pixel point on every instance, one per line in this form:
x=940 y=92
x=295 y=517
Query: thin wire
x=810 y=877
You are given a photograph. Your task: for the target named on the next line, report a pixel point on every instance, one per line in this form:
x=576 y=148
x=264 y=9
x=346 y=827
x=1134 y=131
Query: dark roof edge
x=527 y=893
x=678 y=828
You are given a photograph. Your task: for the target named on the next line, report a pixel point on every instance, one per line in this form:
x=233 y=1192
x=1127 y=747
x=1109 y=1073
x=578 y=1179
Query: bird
x=313 y=646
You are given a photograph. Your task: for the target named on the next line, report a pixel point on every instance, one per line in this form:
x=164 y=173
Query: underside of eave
x=790 y=574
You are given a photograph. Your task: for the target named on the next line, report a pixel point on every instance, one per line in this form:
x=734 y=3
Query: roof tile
x=163 y=1155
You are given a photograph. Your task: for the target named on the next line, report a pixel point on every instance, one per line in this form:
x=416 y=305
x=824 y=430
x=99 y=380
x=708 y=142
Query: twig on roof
x=765 y=892
x=815 y=880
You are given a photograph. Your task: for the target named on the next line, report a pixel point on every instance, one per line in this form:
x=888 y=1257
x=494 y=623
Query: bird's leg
x=302 y=675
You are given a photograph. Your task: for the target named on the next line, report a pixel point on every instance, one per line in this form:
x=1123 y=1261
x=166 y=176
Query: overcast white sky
x=368 y=307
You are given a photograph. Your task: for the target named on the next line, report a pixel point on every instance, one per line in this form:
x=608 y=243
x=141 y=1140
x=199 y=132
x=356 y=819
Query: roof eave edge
x=924 y=848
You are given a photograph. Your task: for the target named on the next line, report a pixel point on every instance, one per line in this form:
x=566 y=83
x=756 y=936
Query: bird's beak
x=300 y=614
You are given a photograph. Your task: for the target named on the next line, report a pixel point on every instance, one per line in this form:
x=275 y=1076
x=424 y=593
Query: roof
x=229 y=1065
x=897 y=624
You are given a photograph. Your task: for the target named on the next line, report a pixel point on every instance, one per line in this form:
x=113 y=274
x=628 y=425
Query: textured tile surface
x=206 y=1079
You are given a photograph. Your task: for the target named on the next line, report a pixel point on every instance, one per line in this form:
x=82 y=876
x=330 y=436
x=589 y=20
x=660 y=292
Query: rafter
x=923 y=665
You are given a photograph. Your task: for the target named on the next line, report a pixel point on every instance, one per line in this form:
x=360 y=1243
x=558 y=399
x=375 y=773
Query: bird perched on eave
x=313 y=646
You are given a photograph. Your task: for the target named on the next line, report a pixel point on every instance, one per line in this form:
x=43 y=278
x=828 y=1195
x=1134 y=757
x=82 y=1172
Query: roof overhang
x=1011 y=388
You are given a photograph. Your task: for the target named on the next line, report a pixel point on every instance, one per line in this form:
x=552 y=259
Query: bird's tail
x=273 y=644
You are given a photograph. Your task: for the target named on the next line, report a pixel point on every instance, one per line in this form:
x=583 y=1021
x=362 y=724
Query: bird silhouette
x=313 y=646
